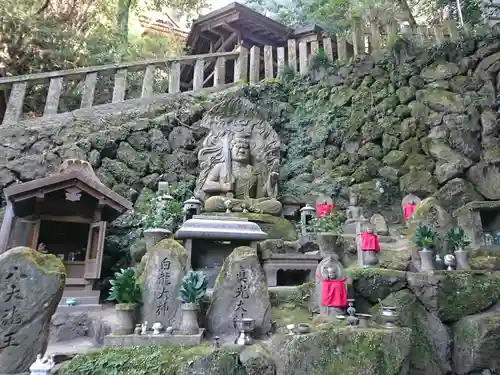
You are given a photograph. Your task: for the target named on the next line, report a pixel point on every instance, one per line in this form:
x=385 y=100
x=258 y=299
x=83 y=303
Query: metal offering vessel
x=245 y=327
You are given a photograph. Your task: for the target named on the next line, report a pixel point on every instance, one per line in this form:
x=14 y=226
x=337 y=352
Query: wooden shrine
x=64 y=214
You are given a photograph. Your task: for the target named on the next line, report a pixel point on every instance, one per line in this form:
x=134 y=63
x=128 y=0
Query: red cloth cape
x=323 y=209
x=333 y=293
x=408 y=210
x=369 y=241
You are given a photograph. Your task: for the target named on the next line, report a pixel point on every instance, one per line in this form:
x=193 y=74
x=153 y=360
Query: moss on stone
x=48 y=264
x=275 y=227
x=164 y=360
x=424 y=352
x=452 y=295
x=299 y=296
x=397 y=260
x=376 y=283
x=333 y=350
x=484 y=260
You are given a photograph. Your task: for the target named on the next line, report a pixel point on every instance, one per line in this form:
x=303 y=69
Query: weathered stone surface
x=31 y=286
x=441 y=100
x=453 y=295
x=477 y=342
x=337 y=350
x=240 y=291
x=162 y=271
x=486 y=178
x=456 y=193
x=418 y=182
x=377 y=283
x=431 y=342
x=438 y=72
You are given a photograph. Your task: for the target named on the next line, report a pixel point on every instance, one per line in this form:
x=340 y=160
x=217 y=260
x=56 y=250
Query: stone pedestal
x=150 y=339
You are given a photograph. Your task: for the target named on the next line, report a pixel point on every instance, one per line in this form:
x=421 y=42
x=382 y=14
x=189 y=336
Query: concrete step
x=78 y=308
x=80 y=293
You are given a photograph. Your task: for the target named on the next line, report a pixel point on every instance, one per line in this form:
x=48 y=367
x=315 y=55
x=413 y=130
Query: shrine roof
x=72 y=173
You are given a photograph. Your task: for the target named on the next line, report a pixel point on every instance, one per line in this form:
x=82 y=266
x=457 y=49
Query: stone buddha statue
x=233 y=181
x=354 y=212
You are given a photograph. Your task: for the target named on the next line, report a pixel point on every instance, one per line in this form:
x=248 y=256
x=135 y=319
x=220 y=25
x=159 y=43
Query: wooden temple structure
x=225 y=29
x=64 y=214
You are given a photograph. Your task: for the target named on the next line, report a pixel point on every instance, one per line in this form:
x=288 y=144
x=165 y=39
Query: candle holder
x=245 y=326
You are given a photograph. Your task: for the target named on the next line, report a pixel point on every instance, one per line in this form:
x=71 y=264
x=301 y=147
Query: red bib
x=408 y=210
x=333 y=293
x=369 y=242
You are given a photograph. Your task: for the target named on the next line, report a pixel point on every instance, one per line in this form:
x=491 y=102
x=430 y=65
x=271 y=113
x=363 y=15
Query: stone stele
x=31 y=286
x=240 y=292
x=162 y=271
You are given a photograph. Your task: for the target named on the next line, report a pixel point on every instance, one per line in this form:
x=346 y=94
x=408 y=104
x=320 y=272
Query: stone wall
x=428 y=126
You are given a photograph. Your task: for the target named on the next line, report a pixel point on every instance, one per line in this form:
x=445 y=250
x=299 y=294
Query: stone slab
x=78 y=308
x=150 y=339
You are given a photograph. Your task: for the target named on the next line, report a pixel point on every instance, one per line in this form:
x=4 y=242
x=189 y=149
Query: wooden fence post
x=241 y=65
x=268 y=62
x=292 y=54
x=254 y=64
x=375 y=36
x=358 y=37
x=341 y=48
x=327 y=47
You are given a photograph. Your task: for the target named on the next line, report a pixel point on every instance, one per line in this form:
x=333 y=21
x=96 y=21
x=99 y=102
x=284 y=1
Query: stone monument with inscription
x=239 y=164
x=162 y=271
x=240 y=292
x=31 y=286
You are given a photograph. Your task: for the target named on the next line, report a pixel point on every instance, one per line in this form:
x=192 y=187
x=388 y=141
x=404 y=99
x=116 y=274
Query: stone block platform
x=150 y=339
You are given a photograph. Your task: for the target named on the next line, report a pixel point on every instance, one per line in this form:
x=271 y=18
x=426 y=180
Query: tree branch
x=42 y=9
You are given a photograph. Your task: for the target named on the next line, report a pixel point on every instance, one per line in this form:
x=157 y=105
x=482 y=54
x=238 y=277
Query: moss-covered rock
x=451 y=295
x=484 y=260
x=430 y=340
x=375 y=284
x=477 y=342
x=275 y=227
x=333 y=350
x=395 y=260
x=173 y=360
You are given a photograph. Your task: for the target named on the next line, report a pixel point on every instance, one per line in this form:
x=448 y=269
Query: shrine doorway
x=68 y=241
x=292 y=277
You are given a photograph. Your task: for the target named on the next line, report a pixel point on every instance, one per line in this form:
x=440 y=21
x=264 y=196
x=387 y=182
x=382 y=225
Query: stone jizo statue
x=354 y=212
x=233 y=175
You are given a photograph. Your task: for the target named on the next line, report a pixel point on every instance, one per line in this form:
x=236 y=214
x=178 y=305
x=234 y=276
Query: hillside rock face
x=429 y=126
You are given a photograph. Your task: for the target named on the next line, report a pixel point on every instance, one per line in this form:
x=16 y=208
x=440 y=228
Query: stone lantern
x=42 y=366
x=190 y=208
x=306 y=214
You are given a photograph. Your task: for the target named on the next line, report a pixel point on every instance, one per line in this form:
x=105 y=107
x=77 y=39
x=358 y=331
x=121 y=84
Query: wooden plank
x=241 y=65
x=280 y=51
x=174 y=77
x=15 y=104
x=303 y=58
x=327 y=47
x=254 y=64
x=342 y=48
x=358 y=37
x=88 y=90
x=130 y=66
x=198 y=75
x=268 y=62
x=53 y=96
x=375 y=36
x=147 y=82
x=120 y=86
x=220 y=72
x=292 y=54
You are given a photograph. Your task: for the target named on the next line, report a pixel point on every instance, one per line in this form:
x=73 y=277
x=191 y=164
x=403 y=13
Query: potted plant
x=126 y=292
x=457 y=239
x=424 y=238
x=162 y=215
x=193 y=288
x=328 y=229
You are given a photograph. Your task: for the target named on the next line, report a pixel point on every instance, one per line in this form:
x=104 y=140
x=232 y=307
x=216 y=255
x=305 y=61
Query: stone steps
x=78 y=308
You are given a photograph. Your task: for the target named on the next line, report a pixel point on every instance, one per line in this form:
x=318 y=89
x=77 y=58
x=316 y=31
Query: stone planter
x=328 y=244
x=125 y=313
x=189 y=323
x=154 y=235
x=427 y=260
x=370 y=258
x=462 y=259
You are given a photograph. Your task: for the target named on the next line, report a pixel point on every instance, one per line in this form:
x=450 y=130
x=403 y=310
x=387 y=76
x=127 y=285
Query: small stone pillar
x=190 y=208
x=306 y=214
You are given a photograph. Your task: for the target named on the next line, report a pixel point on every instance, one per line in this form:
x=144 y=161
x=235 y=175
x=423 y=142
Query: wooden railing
x=251 y=66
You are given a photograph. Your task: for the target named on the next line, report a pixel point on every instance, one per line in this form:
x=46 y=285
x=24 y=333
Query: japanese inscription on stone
x=241 y=293
x=163 y=283
x=10 y=317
